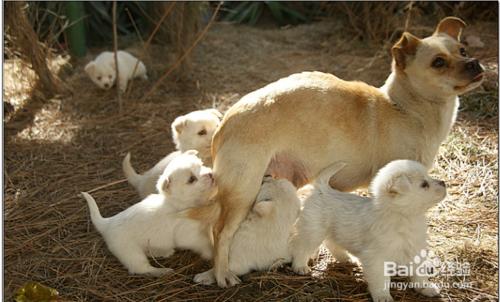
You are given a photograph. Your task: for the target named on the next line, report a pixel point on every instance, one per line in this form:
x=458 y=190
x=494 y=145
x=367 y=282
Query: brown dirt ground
x=56 y=148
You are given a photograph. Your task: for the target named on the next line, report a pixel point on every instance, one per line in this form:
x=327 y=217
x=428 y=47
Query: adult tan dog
x=303 y=123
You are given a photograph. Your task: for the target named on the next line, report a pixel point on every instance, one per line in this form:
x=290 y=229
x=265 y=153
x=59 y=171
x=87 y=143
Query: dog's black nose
x=442 y=183
x=106 y=85
x=473 y=67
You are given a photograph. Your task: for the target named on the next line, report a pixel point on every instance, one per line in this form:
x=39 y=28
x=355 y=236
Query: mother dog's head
x=438 y=64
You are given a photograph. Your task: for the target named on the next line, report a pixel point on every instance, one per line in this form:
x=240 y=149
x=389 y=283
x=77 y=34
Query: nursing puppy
x=192 y=131
x=102 y=70
x=299 y=125
x=152 y=226
x=262 y=239
x=390 y=227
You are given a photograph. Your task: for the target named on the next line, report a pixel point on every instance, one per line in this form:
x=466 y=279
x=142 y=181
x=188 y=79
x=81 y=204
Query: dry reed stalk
x=30 y=48
x=186 y=53
x=115 y=48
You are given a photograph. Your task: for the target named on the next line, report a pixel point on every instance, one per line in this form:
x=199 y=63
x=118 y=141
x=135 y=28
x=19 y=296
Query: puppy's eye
x=99 y=78
x=192 y=179
x=110 y=76
x=202 y=132
x=438 y=62
x=425 y=184
x=463 y=52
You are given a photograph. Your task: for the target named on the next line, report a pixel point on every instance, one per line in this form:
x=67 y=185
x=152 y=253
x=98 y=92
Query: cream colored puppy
x=192 y=131
x=152 y=227
x=390 y=227
x=102 y=70
x=262 y=239
x=299 y=125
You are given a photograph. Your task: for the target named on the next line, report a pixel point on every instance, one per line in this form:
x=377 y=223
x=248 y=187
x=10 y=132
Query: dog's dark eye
x=99 y=78
x=425 y=184
x=192 y=179
x=110 y=76
x=202 y=132
x=438 y=63
x=463 y=52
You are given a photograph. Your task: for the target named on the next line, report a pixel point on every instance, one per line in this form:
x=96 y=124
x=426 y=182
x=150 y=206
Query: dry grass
x=59 y=147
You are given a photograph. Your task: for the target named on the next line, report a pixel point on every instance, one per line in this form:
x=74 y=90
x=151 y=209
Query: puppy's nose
x=210 y=175
x=106 y=85
x=442 y=183
x=473 y=66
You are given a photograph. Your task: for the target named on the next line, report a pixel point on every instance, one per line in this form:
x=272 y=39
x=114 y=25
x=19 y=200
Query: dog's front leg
x=123 y=83
x=424 y=287
x=378 y=284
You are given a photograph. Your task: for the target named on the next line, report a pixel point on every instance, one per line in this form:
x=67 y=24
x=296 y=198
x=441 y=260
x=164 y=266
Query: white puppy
x=262 y=239
x=152 y=227
x=390 y=227
x=192 y=131
x=103 y=73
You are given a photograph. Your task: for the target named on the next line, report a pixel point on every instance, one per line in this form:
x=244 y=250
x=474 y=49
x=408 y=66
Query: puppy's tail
x=98 y=221
x=327 y=173
x=132 y=177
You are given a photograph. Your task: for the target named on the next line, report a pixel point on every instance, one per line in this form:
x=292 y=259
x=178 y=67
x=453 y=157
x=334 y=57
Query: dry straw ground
x=56 y=148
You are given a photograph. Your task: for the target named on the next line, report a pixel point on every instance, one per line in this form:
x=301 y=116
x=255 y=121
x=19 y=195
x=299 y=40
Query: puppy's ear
x=90 y=68
x=163 y=184
x=398 y=185
x=191 y=152
x=451 y=26
x=263 y=208
x=179 y=124
x=405 y=47
x=216 y=113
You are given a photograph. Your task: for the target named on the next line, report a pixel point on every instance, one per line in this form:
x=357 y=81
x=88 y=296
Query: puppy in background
x=261 y=242
x=192 y=131
x=152 y=226
x=390 y=227
x=102 y=70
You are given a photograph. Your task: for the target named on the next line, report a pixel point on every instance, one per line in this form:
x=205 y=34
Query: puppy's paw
x=301 y=270
x=205 y=278
x=227 y=279
x=431 y=290
x=382 y=297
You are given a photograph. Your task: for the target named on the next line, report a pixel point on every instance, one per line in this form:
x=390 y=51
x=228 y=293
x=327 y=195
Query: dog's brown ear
x=406 y=46
x=179 y=124
x=165 y=184
x=90 y=67
x=398 y=185
x=452 y=26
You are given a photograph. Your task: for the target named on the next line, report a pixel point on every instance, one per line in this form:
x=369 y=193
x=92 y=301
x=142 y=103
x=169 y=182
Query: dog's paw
x=227 y=279
x=302 y=270
x=386 y=297
x=431 y=290
x=205 y=278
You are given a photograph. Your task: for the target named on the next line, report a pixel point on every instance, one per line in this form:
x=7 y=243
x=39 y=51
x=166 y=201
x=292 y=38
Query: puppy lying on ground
x=391 y=227
x=262 y=239
x=152 y=227
x=102 y=70
x=303 y=123
x=192 y=131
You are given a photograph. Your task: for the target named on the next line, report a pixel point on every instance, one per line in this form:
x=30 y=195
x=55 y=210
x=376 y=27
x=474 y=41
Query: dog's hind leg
x=136 y=262
x=338 y=252
x=304 y=242
x=237 y=189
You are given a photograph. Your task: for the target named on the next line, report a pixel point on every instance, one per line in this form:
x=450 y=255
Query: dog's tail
x=98 y=221
x=327 y=173
x=132 y=176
